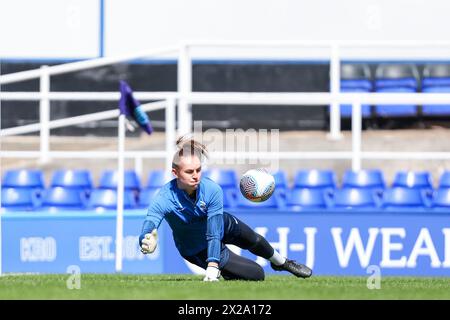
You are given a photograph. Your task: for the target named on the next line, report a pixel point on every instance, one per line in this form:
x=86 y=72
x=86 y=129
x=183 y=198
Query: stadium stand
x=436 y=79
x=396 y=78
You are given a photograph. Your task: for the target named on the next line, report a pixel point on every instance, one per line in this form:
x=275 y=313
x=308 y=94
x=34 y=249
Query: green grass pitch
x=191 y=287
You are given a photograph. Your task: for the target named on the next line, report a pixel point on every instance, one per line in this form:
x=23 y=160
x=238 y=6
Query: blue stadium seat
x=398 y=198
x=281 y=183
x=315 y=179
x=23 y=178
x=272 y=203
x=355 y=198
x=281 y=180
x=156 y=179
x=59 y=198
x=441 y=199
x=107 y=199
x=396 y=78
x=355 y=86
x=146 y=196
x=355 y=77
x=108 y=180
x=367 y=179
x=19 y=199
x=415 y=180
x=444 y=180
x=226 y=178
x=306 y=198
x=229 y=198
x=72 y=179
x=436 y=79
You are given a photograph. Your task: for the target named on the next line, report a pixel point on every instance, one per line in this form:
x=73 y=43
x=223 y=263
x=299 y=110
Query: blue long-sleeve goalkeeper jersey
x=196 y=224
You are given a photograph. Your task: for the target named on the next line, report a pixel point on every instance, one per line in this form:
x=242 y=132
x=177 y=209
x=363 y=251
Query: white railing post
x=139 y=166
x=356 y=135
x=335 y=88
x=184 y=89
x=44 y=114
x=170 y=133
x=120 y=192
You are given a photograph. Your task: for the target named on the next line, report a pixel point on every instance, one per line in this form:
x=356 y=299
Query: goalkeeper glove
x=212 y=274
x=149 y=242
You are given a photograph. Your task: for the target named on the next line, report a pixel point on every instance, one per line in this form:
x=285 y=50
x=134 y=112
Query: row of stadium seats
x=396 y=78
x=312 y=189
x=397 y=198
x=227 y=178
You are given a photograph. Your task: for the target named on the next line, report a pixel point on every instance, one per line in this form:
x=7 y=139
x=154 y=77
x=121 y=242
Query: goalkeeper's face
x=188 y=172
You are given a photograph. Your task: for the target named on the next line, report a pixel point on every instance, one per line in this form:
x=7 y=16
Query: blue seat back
x=406 y=83
x=19 y=199
x=315 y=179
x=306 y=198
x=157 y=178
x=108 y=180
x=363 y=179
x=391 y=77
x=401 y=110
x=356 y=85
x=226 y=178
x=411 y=179
x=107 y=199
x=281 y=181
x=399 y=197
x=441 y=198
x=76 y=179
x=243 y=203
x=23 y=178
x=63 y=198
x=444 y=180
x=146 y=196
x=355 y=198
x=436 y=82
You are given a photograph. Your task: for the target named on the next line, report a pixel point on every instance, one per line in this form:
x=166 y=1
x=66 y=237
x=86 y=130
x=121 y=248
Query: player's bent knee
x=257 y=274
x=260 y=276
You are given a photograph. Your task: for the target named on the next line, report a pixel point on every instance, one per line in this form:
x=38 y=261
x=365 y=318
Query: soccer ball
x=257 y=185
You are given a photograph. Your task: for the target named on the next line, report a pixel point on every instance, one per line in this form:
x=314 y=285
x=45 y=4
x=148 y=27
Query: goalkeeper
x=193 y=208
